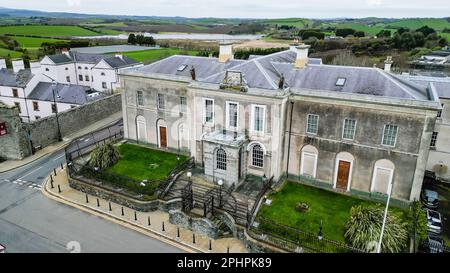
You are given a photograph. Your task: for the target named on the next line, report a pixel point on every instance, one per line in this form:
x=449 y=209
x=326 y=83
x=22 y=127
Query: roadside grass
x=48 y=31
x=142 y=163
x=333 y=209
x=152 y=55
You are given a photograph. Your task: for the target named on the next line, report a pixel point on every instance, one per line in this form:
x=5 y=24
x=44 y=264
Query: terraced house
x=351 y=129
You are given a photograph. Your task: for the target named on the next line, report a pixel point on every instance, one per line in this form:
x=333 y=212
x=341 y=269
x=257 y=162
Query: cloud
x=74 y=3
x=374 y=2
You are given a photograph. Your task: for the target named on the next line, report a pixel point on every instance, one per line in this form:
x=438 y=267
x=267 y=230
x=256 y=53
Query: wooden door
x=163 y=137
x=343 y=174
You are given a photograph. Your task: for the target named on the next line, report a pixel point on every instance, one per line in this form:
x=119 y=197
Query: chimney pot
x=388 y=63
x=225 y=51
x=119 y=55
x=302 y=56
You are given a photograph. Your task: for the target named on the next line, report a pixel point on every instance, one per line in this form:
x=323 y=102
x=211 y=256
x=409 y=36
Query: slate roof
x=12 y=79
x=265 y=71
x=92 y=58
x=68 y=93
x=441 y=84
x=117 y=62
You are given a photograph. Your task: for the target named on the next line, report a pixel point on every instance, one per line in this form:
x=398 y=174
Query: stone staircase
x=222 y=230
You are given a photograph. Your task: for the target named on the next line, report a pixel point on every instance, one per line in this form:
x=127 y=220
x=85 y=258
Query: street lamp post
x=189 y=174
x=320 y=234
x=220 y=182
x=384 y=217
x=54 y=84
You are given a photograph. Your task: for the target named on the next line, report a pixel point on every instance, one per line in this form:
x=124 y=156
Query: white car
x=2 y=249
x=434 y=221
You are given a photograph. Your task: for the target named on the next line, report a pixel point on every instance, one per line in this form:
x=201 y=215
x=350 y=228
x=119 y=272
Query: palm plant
x=364 y=227
x=104 y=156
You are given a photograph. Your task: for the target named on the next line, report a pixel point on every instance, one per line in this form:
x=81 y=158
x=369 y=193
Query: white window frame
x=395 y=139
x=227 y=120
x=183 y=107
x=354 y=129
x=307 y=123
x=302 y=162
x=375 y=172
x=253 y=116
x=158 y=101
x=253 y=153
x=204 y=111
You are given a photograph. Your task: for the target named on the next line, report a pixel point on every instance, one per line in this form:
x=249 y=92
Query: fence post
x=193 y=238
x=149 y=223
x=122 y=212
x=98 y=203
x=163 y=228
x=51 y=181
x=110 y=209
x=54 y=171
x=59 y=189
x=87 y=198
x=135 y=216
x=204 y=209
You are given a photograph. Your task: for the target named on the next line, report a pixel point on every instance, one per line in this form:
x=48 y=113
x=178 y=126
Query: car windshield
x=431 y=195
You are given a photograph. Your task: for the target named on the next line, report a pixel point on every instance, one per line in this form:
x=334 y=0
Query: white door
x=308 y=164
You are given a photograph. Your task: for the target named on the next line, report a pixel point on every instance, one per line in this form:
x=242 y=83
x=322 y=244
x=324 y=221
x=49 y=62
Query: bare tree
x=349 y=59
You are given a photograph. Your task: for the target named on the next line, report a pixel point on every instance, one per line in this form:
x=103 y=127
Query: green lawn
x=152 y=55
x=14 y=54
x=142 y=163
x=296 y=22
x=332 y=208
x=436 y=23
x=29 y=42
x=43 y=30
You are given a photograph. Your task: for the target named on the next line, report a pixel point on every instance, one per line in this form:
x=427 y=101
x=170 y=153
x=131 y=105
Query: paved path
x=31 y=222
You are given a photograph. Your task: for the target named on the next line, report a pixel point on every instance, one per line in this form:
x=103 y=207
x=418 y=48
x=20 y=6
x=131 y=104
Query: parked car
x=433 y=244
x=429 y=178
x=434 y=221
x=429 y=198
x=2 y=249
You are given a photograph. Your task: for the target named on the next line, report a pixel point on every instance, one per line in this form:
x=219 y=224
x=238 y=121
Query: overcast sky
x=244 y=8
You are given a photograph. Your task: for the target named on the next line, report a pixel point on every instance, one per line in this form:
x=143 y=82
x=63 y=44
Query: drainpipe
x=289 y=141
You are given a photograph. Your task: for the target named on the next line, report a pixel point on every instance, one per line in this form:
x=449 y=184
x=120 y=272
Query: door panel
x=163 y=136
x=343 y=174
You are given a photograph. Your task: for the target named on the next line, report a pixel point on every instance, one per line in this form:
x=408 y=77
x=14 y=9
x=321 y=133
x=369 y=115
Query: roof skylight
x=340 y=82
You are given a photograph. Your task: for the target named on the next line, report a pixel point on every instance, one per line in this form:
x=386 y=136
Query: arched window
x=257 y=156
x=141 y=128
x=221 y=159
x=308 y=161
x=383 y=173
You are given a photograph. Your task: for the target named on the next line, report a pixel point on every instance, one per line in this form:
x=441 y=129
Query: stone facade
x=15 y=144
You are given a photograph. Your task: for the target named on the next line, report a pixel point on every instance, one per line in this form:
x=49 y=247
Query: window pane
x=257 y=156
x=258 y=119
x=433 y=139
x=209 y=114
x=312 y=124
x=161 y=102
x=221 y=158
x=232 y=114
x=349 y=129
x=390 y=134
x=183 y=104
x=140 y=98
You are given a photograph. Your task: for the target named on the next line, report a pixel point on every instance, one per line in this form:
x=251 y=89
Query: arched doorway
x=141 y=128
x=343 y=171
x=308 y=161
x=161 y=128
x=383 y=173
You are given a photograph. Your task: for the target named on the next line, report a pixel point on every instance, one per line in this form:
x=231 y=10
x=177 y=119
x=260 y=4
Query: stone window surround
x=227 y=116
x=308 y=124
x=205 y=111
x=344 y=129
x=387 y=133
x=253 y=116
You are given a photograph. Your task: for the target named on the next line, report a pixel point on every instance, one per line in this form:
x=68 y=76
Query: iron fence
x=296 y=240
x=252 y=214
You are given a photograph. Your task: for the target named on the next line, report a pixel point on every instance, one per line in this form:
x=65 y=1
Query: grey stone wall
x=15 y=144
x=44 y=131
x=198 y=225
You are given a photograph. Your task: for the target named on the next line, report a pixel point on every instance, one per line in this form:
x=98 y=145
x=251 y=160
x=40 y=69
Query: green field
x=435 y=23
x=48 y=31
x=29 y=42
x=445 y=35
x=14 y=54
x=151 y=55
x=296 y=22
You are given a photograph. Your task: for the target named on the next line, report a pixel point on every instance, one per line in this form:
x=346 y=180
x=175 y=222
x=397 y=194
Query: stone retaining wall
x=198 y=225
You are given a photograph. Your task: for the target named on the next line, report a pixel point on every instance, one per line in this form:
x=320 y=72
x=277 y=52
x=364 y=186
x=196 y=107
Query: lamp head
x=189 y=174
x=220 y=182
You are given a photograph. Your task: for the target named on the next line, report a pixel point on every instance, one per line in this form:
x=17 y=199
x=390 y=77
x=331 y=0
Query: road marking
x=15 y=182
x=87 y=139
x=30 y=172
x=58 y=157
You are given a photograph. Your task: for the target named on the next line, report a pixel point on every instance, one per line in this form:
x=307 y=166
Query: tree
x=417 y=220
x=384 y=33
x=310 y=33
x=363 y=229
x=349 y=59
x=344 y=32
x=104 y=156
x=419 y=39
x=359 y=34
x=442 y=42
x=407 y=40
x=402 y=30
x=426 y=30
x=132 y=39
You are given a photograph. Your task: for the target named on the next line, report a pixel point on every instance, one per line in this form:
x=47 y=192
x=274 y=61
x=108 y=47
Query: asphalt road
x=30 y=222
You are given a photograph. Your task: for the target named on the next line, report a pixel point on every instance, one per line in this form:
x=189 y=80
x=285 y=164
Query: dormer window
x=340 y=82
x=181 y=68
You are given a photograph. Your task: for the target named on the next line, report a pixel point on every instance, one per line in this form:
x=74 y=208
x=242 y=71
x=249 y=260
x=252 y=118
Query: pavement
x=13 y=164
x=62 y=192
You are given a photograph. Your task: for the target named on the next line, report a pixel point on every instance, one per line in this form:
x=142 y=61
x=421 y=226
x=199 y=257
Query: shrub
x=417 y=222
x=364 y=227
x=104 y=156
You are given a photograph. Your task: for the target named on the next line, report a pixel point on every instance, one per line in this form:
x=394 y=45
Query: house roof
x=441 y=84
x=264 y=72
x=65 y=93
x=15 y=79
x=117 y=62
x=92 y=58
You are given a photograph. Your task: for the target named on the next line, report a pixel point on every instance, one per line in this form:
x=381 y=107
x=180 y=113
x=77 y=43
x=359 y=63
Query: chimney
x=225 y=51
x=2 y=63
x=119 y=55
x=388 y=63
x=18 y=65
x=65 y=51
x=35 y=68
x=293 y=45
x=302 y=56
